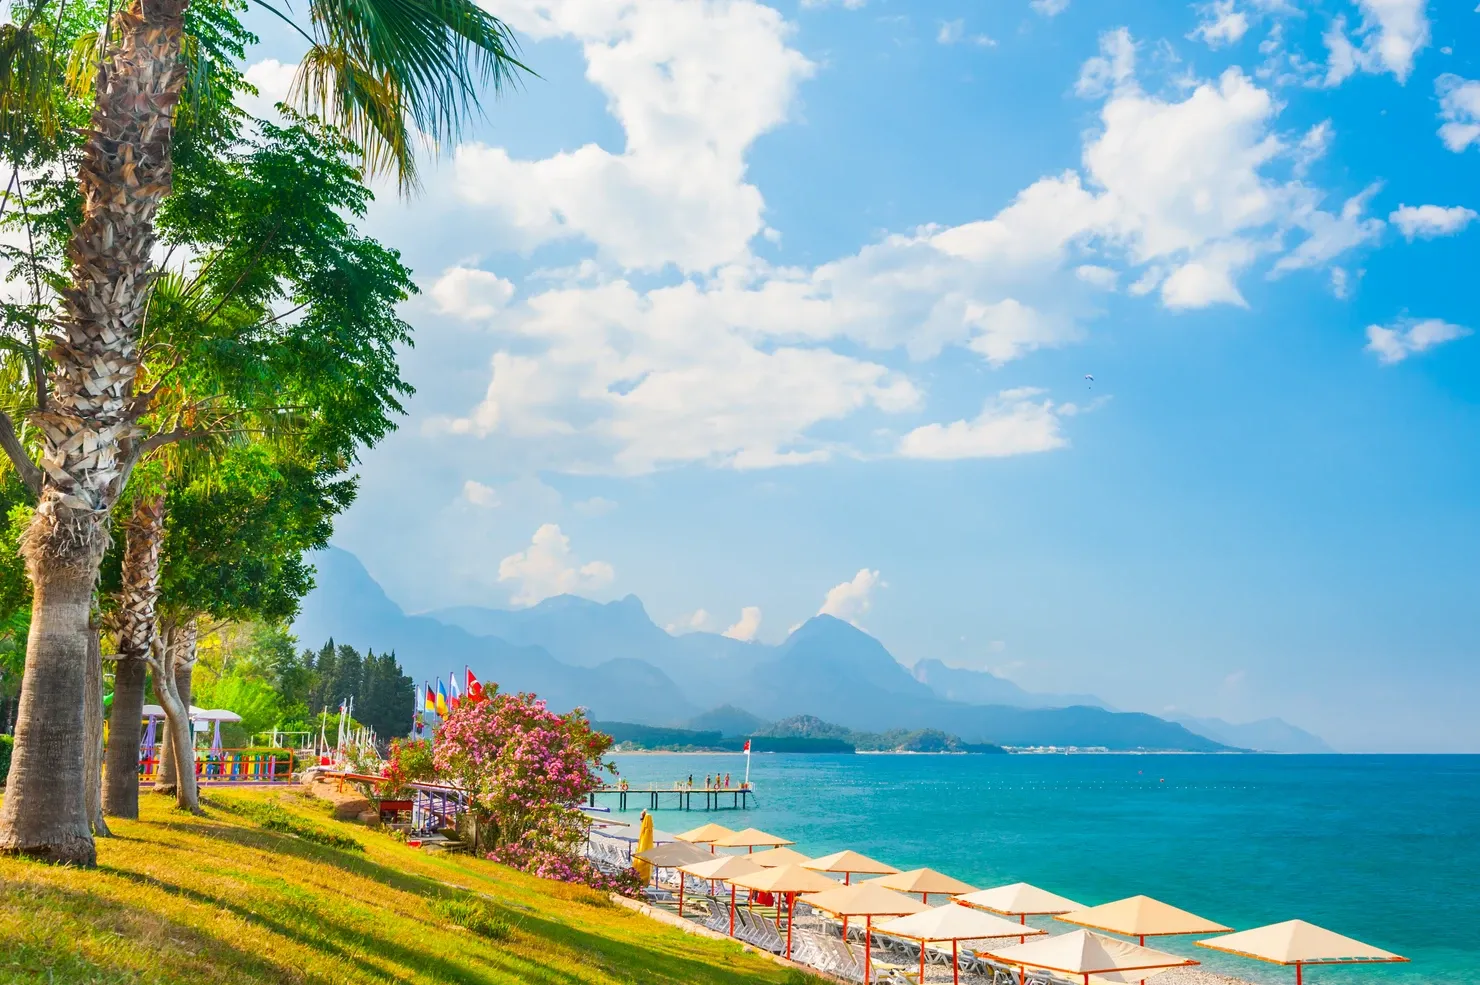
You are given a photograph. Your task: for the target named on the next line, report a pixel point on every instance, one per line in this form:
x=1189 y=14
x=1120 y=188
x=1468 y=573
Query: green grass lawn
x=246 y=895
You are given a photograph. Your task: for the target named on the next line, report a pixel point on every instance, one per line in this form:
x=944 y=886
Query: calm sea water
x=1382 y=848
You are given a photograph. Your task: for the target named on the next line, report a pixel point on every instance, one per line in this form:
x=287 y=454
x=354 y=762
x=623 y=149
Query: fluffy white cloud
x=1049 y=8
x=1222 y=23
x=1391 y=34
x=747 y=625
x=547 y=567
x=1015 y=422
x=273 y=80
x=1332 y=235
x=851 y=600
x=1459 y=107
x=1112 y=68
x=740 y=364
x=1429 y=221
x=1409 y=337
x=480 y=495
x=693 y=85
x=471 y=294
x=694 y=622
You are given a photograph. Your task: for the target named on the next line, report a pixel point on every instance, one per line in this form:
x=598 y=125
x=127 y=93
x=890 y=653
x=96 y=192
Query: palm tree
x=374 y=63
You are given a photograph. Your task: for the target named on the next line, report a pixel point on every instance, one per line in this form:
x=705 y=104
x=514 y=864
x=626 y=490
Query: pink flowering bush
x=567 y=868
x=526 y=769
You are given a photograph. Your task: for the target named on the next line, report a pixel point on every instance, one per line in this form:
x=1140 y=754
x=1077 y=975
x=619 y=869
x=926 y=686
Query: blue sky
x=756 y=311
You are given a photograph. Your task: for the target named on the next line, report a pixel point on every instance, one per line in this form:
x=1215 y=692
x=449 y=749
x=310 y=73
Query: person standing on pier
x=727 y=782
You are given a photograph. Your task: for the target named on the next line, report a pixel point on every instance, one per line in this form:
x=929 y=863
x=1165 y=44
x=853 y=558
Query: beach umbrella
x=949 y=923
x=774 y=857
x=1142 y=917
x=787 y=879
x=673 y=854
x=719 y=869
x=867 y=900
x=705 y=834
x=750 y=838
x=924 y=882
x=644 y=842
x=216 y=739
x=1298 y=943
x=1085 y=953
x=849 y=862
x=1019 y=900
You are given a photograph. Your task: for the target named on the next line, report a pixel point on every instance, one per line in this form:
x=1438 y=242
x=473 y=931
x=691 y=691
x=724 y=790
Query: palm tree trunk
x=45 y=812
x=134 y=626
x=167 y=780
x=93 y=724
x=88 y=424
x=121 y=764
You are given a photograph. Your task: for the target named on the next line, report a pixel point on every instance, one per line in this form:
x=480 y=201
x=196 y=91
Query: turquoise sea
x=1382 y=848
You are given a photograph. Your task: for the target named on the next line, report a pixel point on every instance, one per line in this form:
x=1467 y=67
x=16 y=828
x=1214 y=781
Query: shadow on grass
x=619 y=959
x=200 y=956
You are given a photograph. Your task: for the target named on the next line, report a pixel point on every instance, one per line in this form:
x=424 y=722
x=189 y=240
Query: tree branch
x=24 y=467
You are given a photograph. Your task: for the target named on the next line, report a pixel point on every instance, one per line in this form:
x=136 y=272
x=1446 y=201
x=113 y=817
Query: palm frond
x=427 y=59
x=371 y=112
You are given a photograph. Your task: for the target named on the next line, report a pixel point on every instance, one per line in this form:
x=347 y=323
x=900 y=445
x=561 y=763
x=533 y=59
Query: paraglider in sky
x=1089 y=380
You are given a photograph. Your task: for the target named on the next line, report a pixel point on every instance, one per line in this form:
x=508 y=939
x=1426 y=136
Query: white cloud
x=845 y=4
x=693 y=85
x=1392 y=33
x=1049 y=8
x=595 y=506
x=1112 y=68
x=480 y=495
x=1429 y=221
x=694 y=622
x=471 y=294
x=954 y=32
x=1332 y=235
x=1409 y=336
x=547 y=568
x=1012 y=423
x=1459 y=107
x=741 y=365
x=1222 y=23
x=273 y=80
x=1313 y=146
x=851 y=600
x=747 y=625
x=1340 y=283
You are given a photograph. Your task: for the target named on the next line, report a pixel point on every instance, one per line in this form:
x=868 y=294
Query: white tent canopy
x=196 y=714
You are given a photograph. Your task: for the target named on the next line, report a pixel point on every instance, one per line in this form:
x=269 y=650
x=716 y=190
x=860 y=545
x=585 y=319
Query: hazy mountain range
x=613 y=660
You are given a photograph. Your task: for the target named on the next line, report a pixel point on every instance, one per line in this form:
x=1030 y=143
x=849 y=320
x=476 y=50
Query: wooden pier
x=686 y=798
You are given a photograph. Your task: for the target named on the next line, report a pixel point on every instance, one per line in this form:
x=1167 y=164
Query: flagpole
x=747 y=763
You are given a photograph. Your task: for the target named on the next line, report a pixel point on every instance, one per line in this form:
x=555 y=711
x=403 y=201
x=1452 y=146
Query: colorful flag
x=455 y=698
x=441 y=699
x=475 y=689
x=747 y=747
x=431 y=700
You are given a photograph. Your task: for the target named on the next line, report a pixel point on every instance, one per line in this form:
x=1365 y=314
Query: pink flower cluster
x=525 y=769
x=566 y=868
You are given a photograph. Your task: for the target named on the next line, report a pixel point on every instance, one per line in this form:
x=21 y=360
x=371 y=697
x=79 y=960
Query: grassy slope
x=218 y=900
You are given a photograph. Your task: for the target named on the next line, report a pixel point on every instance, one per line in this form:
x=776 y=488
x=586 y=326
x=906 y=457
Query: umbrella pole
x=791 y=916
x=1297 y=973
x=955 y=965
x=1023 y=919
x=681 y=881
x=868 y=946
x=732 y=910
x=922 y=961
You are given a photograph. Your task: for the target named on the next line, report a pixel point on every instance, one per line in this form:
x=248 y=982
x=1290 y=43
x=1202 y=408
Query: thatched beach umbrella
x=705 y=834
x=848 y=863
x=1298 y=943
x=924 y=882
x=673 y=855
x=1085 y=953
x=776 y=857
x=1019 y=900
x=1142 y=917
x=787 y=879
x=866 y=900
x=750 y=838
x=949 y=923
x=721 y=869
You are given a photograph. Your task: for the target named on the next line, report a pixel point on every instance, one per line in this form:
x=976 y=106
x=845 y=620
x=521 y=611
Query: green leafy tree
x=371 y=66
